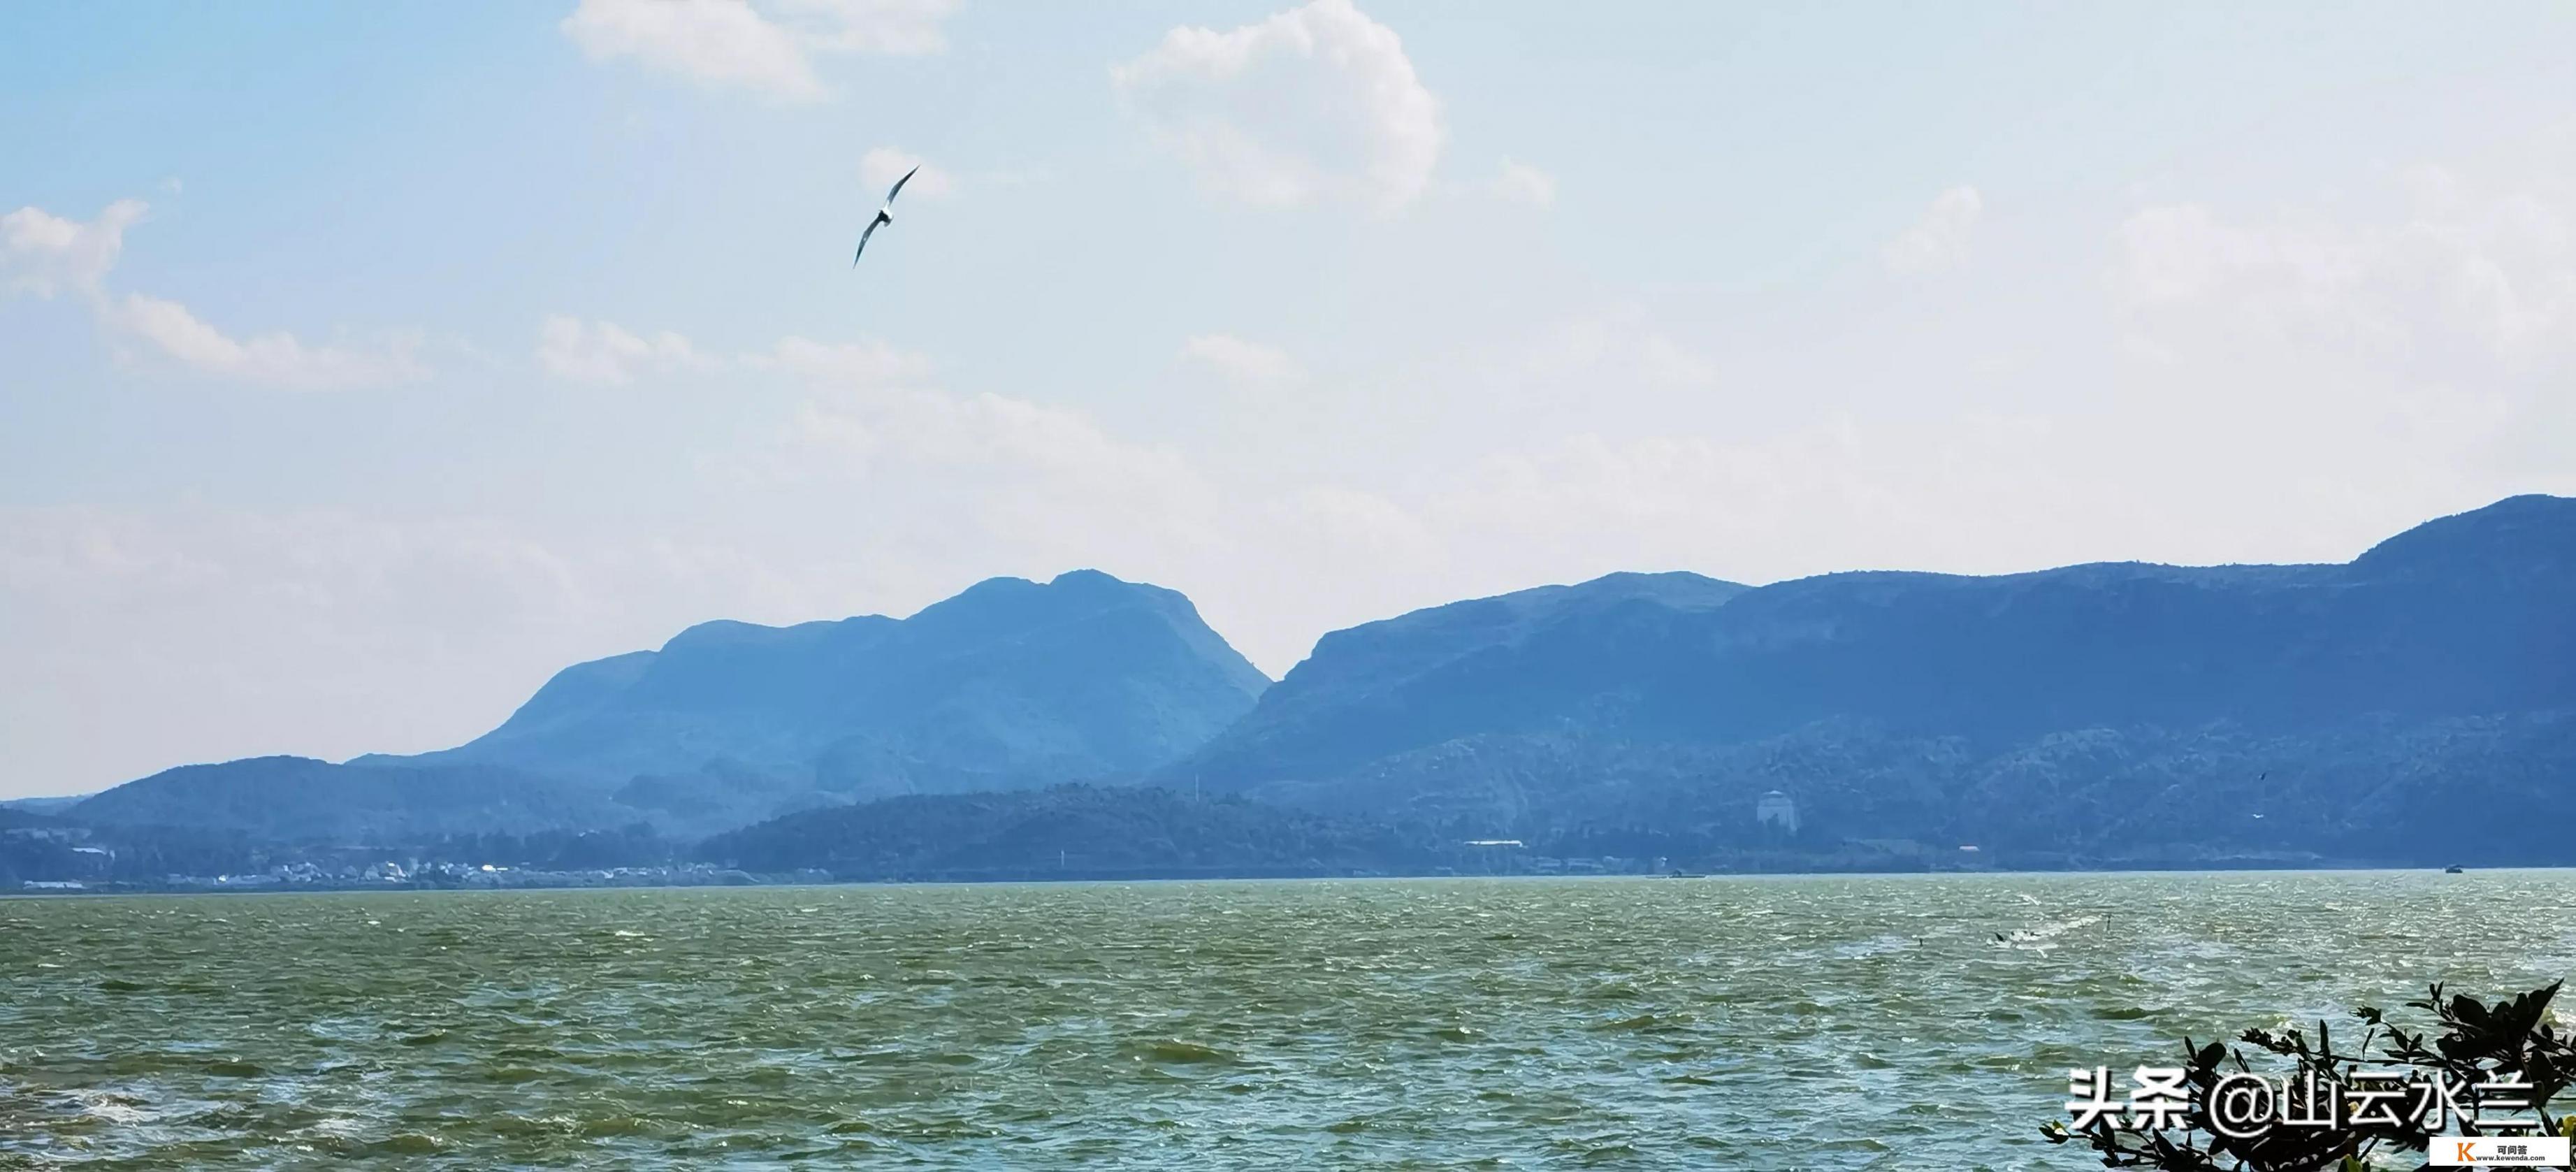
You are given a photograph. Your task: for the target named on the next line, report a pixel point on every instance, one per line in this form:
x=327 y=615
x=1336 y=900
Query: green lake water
x=1809 y=1022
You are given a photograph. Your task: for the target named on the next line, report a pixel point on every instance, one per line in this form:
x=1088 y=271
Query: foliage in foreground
x=2480 y=1047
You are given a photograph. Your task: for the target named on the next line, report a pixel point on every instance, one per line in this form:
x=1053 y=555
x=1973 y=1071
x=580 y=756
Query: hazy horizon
x=365 y=366
x=1272 y=675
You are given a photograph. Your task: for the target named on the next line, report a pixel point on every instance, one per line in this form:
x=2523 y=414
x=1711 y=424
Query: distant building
x=1775 y=809
x=44 y=833
x=1496 y=856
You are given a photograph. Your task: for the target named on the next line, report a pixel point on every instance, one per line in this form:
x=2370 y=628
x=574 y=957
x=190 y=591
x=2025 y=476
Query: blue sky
x=360 y=365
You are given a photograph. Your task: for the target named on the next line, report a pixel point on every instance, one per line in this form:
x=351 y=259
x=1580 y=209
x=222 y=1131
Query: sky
x=363 y=365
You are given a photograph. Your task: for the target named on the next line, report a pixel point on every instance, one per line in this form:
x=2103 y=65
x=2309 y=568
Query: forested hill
x=2331 y=708
x=2397 y=707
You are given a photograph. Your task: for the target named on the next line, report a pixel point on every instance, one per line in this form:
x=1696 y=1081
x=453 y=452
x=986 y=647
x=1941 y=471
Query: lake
x=1795 y=1022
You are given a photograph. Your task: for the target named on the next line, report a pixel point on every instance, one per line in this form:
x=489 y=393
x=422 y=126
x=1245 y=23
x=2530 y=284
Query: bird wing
x=898 y=184
x=882 y=218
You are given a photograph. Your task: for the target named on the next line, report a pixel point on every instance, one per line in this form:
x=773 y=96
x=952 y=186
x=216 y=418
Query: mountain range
x=2382 y=709
x=1010 y=685
x=2348 y=710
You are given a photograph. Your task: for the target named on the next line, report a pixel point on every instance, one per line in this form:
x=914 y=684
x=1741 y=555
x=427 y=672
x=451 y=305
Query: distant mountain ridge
x=1412 y=679
x=1959 y=710
x=299 y=799
x=1009 y=684
x=2089 y=715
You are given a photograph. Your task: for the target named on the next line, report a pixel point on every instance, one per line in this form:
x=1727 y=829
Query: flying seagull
x=885 y=215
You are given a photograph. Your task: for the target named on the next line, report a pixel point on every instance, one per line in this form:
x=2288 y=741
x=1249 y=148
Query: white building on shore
x=1775 y=809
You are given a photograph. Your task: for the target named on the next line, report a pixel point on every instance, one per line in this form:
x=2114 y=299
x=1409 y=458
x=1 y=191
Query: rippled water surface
x=1708 y=1023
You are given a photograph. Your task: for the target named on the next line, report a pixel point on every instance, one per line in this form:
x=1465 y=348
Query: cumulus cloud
x=2458 y=275
x=1316 y=103
x=714 y=42
x=879 y=168
x=276 y=359
x=2347 y=371
x=1939 y=240
x=333 y=632
x=44 y=254
x=1522 y=183
x=2426 y=345
x=1247 y=363
x=765 y=48
x=603 y=353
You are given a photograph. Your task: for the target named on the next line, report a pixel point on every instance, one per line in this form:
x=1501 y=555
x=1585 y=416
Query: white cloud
x=326 y=632
x=880 y=167
x=870 y=412
x=907 y=28
x=1316 y=103
x=991 y=483
x=1247 y=363
x=44 y=254
x=714 y=42
x=2457 y=276
x=2426 y=347
x=1522 y=183
x=999 y=443
x=952 y=487
x=766 y=48
x=605 y=354
x=2346 y=371
x=1618 y=347
x=869 y=363
x=1939 y=240
x=331 y=632
x=275 y=359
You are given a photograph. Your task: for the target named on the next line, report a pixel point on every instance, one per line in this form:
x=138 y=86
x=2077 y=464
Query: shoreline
x=753 y=882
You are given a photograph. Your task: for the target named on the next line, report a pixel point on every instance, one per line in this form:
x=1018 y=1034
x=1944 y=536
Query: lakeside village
x=416 y=875
x=1507 y=857
x=72 y=860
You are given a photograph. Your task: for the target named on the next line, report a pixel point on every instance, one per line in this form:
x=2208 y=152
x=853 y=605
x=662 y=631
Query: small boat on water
x=2453 y=869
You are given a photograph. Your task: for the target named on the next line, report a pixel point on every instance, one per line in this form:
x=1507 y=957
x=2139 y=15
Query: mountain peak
x=1086 y=578
x=1567 y=693
x=2534 y=532
x=1010 y=682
